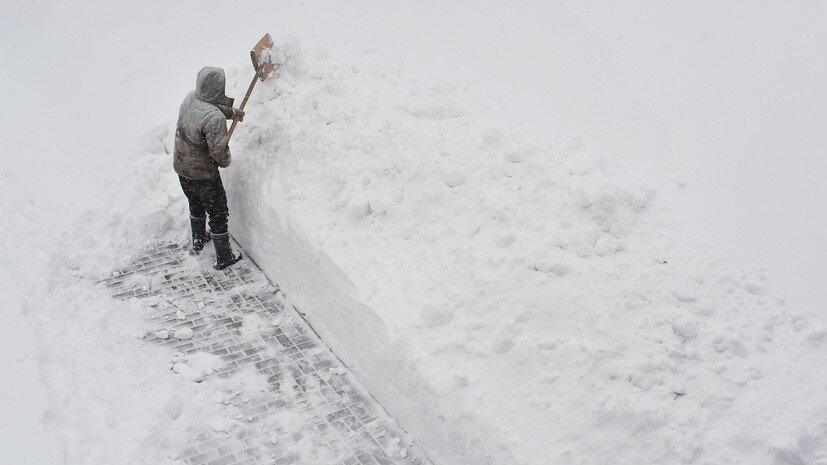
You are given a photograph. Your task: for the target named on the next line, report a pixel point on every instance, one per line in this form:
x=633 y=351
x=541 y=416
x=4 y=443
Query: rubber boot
x=224 y=255
x=200 y=236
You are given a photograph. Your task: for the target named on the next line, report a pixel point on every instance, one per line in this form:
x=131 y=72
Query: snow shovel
x=262 y=56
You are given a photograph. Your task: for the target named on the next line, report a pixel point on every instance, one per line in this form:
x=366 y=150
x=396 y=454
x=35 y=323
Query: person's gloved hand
x=238 y=114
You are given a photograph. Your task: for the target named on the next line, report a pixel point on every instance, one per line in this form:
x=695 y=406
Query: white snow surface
x=495 y=346
x=111 y=396
x=508 y=301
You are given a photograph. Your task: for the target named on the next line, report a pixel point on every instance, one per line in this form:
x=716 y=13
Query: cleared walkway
x=322 y=414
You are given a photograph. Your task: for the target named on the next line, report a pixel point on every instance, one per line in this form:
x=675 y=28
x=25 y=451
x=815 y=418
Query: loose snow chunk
x=607 y=246
x=492 y=137
x=503 y=240
x=188 y=372
x=207 y=363
x=183 y=333
x=502 y=215
x=180 y=315
x=453 y=179
x=755 y=288
x=817 y=339
x=686 y=295
x=162 y=334
x=436 y=316
x=339 y=371
x=516 y=157
x=223 y=425
x=359 y=207
x=645 y=380
x=198 y=366
x=558 y=269
x=174 y=407
x=685 y=327
x=273 y=55
x=638 y=199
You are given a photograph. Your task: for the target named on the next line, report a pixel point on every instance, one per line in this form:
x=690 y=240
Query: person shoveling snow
x=201 y=147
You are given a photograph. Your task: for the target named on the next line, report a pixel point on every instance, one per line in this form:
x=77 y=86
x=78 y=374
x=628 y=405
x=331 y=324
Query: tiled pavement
x=312 y=410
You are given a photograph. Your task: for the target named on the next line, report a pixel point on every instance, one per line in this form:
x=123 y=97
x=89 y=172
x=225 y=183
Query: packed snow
x=508 y=300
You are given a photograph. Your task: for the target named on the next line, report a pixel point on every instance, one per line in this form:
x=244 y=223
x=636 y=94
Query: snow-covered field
x=507 y=218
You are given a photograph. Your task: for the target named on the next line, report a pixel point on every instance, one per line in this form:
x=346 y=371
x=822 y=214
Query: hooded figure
x=201 y=147
x=201 y=136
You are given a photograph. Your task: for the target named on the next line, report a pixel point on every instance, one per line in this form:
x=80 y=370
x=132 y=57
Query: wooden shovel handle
x=244 y=102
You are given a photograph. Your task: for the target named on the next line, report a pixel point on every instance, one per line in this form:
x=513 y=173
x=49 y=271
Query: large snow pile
x=508 y=302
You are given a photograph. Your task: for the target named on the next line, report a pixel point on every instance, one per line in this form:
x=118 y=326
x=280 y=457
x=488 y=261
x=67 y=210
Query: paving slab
x=323 y=415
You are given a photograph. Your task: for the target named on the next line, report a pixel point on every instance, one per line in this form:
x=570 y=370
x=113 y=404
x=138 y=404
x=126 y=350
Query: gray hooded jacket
x=201 y=135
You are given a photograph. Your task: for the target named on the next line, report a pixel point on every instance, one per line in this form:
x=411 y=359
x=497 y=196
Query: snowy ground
x=149 y=356
x=23 y=399
x=252 y=383
x=717 y=106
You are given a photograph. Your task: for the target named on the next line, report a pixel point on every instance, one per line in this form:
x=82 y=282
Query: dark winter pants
x=207 y=196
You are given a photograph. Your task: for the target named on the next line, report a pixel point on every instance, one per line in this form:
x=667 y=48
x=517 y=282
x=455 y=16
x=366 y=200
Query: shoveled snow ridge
x=509 y=302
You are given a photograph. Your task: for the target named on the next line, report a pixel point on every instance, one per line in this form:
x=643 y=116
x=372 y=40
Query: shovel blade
x=262 y=55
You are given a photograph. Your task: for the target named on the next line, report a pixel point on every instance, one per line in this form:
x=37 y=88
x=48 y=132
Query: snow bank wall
x=328 y=298
x=511 y=303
